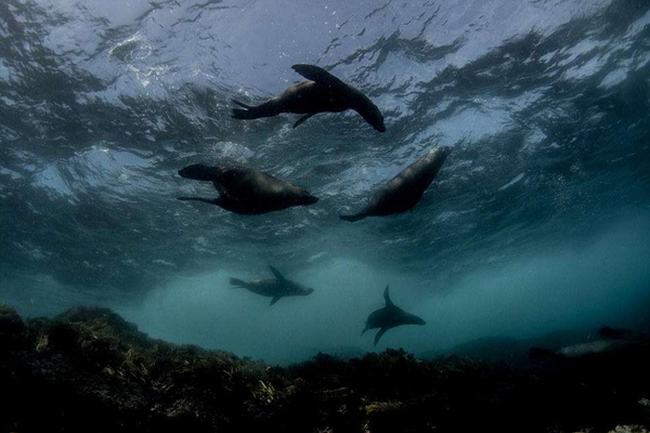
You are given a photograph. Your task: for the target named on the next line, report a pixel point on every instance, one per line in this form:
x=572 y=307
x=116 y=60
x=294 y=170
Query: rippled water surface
x=539 y=219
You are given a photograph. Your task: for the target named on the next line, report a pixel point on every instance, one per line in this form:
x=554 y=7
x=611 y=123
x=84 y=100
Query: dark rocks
x=89 y=370
x=10 y=322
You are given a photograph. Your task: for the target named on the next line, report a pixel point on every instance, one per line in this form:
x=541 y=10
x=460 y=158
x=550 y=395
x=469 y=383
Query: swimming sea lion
x=389 y=317
x=322 y=93
x=245 y=190
x=275 y=288
x=405 y=190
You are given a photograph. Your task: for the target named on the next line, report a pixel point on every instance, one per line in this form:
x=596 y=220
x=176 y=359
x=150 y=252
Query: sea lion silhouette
x=323 y=92
x=244 y=190
x=405 y=190
x=389 y=317
x=275 y=288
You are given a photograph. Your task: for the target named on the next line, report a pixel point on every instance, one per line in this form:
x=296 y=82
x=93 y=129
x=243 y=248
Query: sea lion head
x=371 y=114
x=305 y=198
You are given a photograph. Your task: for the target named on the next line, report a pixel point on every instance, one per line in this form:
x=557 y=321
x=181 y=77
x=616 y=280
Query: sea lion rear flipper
x=275 y=299
x=204 y=200
x=236 y=282
x=277 y=274
x=353 y=217
x=200 y=172
x=302 y=119
x=379 y=334
x=241 y=104
x=389 y=303
x=319 y=75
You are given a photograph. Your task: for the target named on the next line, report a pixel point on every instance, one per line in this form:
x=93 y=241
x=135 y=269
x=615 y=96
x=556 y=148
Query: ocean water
x=539 y=220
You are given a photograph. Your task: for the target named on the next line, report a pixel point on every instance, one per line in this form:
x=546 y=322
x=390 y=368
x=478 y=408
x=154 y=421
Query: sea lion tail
x=353 y=217
x=241 y=104
x=267 y=109
x=236 y=282
x=246 y=112
x=243 y=114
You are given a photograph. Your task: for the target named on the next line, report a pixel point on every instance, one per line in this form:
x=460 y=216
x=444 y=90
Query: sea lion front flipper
x=389 y=303
x=277 y=274
x=379 y=334
x=319 y=75
x=302 y=119
x=275 y=299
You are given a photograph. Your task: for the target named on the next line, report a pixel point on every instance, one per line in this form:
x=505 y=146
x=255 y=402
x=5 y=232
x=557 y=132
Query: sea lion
x=247 y=191
x=405 y=190
x=609 y=340
x=274 y=288
x=323 y=92
x=389 y=317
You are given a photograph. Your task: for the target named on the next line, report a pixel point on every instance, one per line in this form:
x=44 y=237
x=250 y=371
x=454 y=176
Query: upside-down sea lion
x=244 y=190
x=323 y=92
x=405 y=190
x=274 y=288
x=389 y=317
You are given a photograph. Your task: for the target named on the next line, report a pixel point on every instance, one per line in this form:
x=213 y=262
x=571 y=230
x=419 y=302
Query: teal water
x=538 y=221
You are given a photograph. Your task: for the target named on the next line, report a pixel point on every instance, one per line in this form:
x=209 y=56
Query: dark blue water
x=539 y=220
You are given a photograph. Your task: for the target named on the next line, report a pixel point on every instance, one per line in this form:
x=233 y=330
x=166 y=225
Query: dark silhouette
x=405 y=190
x=322 y=93
x=245 y=190
x=389 y=317
x=274 y=288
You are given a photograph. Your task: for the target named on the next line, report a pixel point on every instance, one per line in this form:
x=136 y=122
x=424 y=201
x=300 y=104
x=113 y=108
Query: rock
x=90 y=370
x=11 y=326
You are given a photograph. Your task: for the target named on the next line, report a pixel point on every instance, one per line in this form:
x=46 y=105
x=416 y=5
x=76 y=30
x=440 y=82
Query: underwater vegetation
x=487 y=161
x=89 y=370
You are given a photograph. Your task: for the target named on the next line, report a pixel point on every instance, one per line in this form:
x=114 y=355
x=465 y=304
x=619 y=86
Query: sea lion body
x=321 y=93
x=389 y=317
x=245 y=190
x=405 y=190
x=274 y=288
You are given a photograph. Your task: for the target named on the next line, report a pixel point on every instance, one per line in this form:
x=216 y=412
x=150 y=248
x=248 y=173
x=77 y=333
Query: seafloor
x=88 y=370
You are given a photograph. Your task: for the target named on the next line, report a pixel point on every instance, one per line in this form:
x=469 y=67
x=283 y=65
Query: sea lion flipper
x=379 y=334
x=241 y=104
x=352 y=217
x=200 y=172
x=318 y=74
x=277 y=274
x=204 y=200
x=302 y=119
x=236 y=282
x=389 y=303
x=275 y=299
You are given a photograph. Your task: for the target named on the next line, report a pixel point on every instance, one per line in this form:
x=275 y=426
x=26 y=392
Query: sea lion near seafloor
x=274 y=288
x=323 y=92
x=405 y=190
x=389 y=317
x=247 y=191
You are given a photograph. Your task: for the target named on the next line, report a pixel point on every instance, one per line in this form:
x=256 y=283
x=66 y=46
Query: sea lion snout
x=372 y=115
